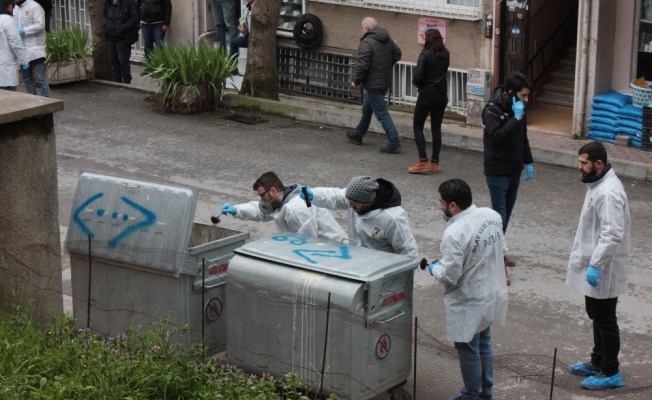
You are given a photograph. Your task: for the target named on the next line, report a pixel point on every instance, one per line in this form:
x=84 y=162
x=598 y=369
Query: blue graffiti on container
x=344 y=254
x=296 y=240
x=149 y=218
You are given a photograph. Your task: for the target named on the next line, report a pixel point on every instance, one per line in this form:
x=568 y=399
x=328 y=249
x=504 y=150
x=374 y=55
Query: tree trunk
x=261 y=77
x=101 y=63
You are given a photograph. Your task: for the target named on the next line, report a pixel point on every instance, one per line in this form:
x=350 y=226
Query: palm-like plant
x=67 y=44
x=190 y=80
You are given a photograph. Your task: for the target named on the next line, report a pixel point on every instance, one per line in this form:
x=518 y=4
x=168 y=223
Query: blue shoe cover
x=584 y=369
x=602 y=382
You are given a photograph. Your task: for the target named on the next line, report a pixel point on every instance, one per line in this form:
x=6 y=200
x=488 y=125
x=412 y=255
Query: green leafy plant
x=190 y=80
x=63 y=362
x=66 y=44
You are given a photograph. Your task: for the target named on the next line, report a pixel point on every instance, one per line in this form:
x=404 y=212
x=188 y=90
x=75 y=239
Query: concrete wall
x=30 y=251
x=624 y=51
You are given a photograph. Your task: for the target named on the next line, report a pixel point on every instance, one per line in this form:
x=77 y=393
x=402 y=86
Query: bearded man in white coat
x=599 y=263
x=472 y=271
x=12 y=50
x=284 y=206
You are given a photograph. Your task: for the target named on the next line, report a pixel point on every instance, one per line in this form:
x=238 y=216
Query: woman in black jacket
x=430 y=79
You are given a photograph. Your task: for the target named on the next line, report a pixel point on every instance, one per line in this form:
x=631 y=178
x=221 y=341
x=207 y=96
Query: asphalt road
x=119 y=132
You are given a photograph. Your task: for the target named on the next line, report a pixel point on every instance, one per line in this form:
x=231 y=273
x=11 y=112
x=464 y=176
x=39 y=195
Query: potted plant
x=67 y=51
x=191 y=80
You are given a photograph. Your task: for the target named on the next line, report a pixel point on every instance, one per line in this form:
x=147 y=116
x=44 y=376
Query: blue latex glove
x=432 y=267
x=228 y=208
x=21 y=31
x=518 y=107
x=311 y=195
x=25 y=66
x=529 y=170
x=593 y=276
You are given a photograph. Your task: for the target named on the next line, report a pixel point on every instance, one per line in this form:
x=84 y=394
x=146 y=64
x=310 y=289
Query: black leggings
x=435 y=105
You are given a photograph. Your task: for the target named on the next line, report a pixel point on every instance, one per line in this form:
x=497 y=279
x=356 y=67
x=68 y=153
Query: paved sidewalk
x=547 y=148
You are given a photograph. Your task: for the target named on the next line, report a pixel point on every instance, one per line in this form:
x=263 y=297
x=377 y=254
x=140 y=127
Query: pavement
x=547 y=148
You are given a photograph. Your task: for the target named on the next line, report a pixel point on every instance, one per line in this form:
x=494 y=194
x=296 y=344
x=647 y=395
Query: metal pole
x=88 y=304
x=203 y=281
x=552 y=381
x=323 y=361
x=414 y=375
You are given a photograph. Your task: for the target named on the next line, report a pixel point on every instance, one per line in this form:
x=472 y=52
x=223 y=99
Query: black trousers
x=435 y=105
x=606 y=335
x=119 y=54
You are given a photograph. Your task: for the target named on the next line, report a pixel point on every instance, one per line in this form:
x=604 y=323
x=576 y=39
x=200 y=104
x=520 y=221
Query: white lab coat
x=386 y=229
x=31 y=17
x=295 y=217
x=602 y=239
x=12 y=51
x=473 y=273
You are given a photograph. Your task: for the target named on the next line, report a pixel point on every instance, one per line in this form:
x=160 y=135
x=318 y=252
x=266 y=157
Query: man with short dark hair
x=284 y=206
x=155 y=17
x=30 y=18
x=506 y=146
x=376 y=58
x=599 y=264
x=12 y=50
x=376 y=218
x=472 y=272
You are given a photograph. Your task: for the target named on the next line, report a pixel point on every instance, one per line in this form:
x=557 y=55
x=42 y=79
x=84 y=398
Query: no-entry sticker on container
x=383 y=345
x=213 y=309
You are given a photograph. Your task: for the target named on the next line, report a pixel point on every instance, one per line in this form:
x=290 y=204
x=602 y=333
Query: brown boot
x=434 y=167
x=509 y=280
x=421 y=167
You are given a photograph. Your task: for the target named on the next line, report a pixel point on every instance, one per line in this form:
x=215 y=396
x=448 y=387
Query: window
x=458 y=9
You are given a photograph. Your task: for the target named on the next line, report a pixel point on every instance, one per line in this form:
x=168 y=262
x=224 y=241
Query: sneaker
x=601 y=381
x=434 y=167
x=390 y=148
x=421 y=167
x=584 y=369
x=353 y=138
x=509 y=262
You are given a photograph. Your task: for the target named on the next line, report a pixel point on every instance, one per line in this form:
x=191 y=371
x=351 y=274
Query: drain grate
x=246 y=119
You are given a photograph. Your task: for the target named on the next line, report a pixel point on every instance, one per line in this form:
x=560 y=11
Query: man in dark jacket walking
x=376 y=56
x=506 y=146
x=155 y=18
x=120 y=18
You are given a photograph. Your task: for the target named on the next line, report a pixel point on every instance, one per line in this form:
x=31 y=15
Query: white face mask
x=266 y=206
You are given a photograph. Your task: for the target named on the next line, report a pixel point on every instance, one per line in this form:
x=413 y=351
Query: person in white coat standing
x=599 y=263
x=376 y=218
x=12 y=50
x=472 y=271
x=30 y=18
x=284 y=206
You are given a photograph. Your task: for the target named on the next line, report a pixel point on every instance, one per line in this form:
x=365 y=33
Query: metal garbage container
x=147 y=259
x=278 y=289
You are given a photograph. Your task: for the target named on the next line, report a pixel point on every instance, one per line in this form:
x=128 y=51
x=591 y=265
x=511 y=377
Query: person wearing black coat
x=155 y=16
x=120 y=21
x=376 y=57
x=430 y=79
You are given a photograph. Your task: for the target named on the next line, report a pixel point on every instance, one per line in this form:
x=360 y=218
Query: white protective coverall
x=12 y=51
x=602 y=239
x=31 y=17
x=295 y=217
x=473 y=273
x=386 y=229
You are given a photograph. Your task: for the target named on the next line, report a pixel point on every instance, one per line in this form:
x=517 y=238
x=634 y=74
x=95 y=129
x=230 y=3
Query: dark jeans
x=476 y=363
x=606 y=336
x=435 y=105
x=11 y=88
x=36 y=71
x=503 y=190
x=374 y=103
x=119 y=53
x=225 y=17
x=237 y=42
x=153 y=34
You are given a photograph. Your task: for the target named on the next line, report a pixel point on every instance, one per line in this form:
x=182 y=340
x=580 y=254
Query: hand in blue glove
x=228 y=208
x=311 y=195
x=518 y=107
x=25 y=66
x=593 y=276
x=529 y=170
x=21 y=31
x=432 y=267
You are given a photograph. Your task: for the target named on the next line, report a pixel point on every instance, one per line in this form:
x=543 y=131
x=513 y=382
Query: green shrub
x=62 y=362
x=190 y=80
x=67 y=44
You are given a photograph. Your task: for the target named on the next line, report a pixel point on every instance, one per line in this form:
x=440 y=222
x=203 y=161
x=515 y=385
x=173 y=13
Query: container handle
x=392 y=318
x=130 y=185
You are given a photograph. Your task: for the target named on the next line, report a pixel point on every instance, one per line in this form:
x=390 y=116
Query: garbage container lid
x=329 y=257
x=132 y=221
